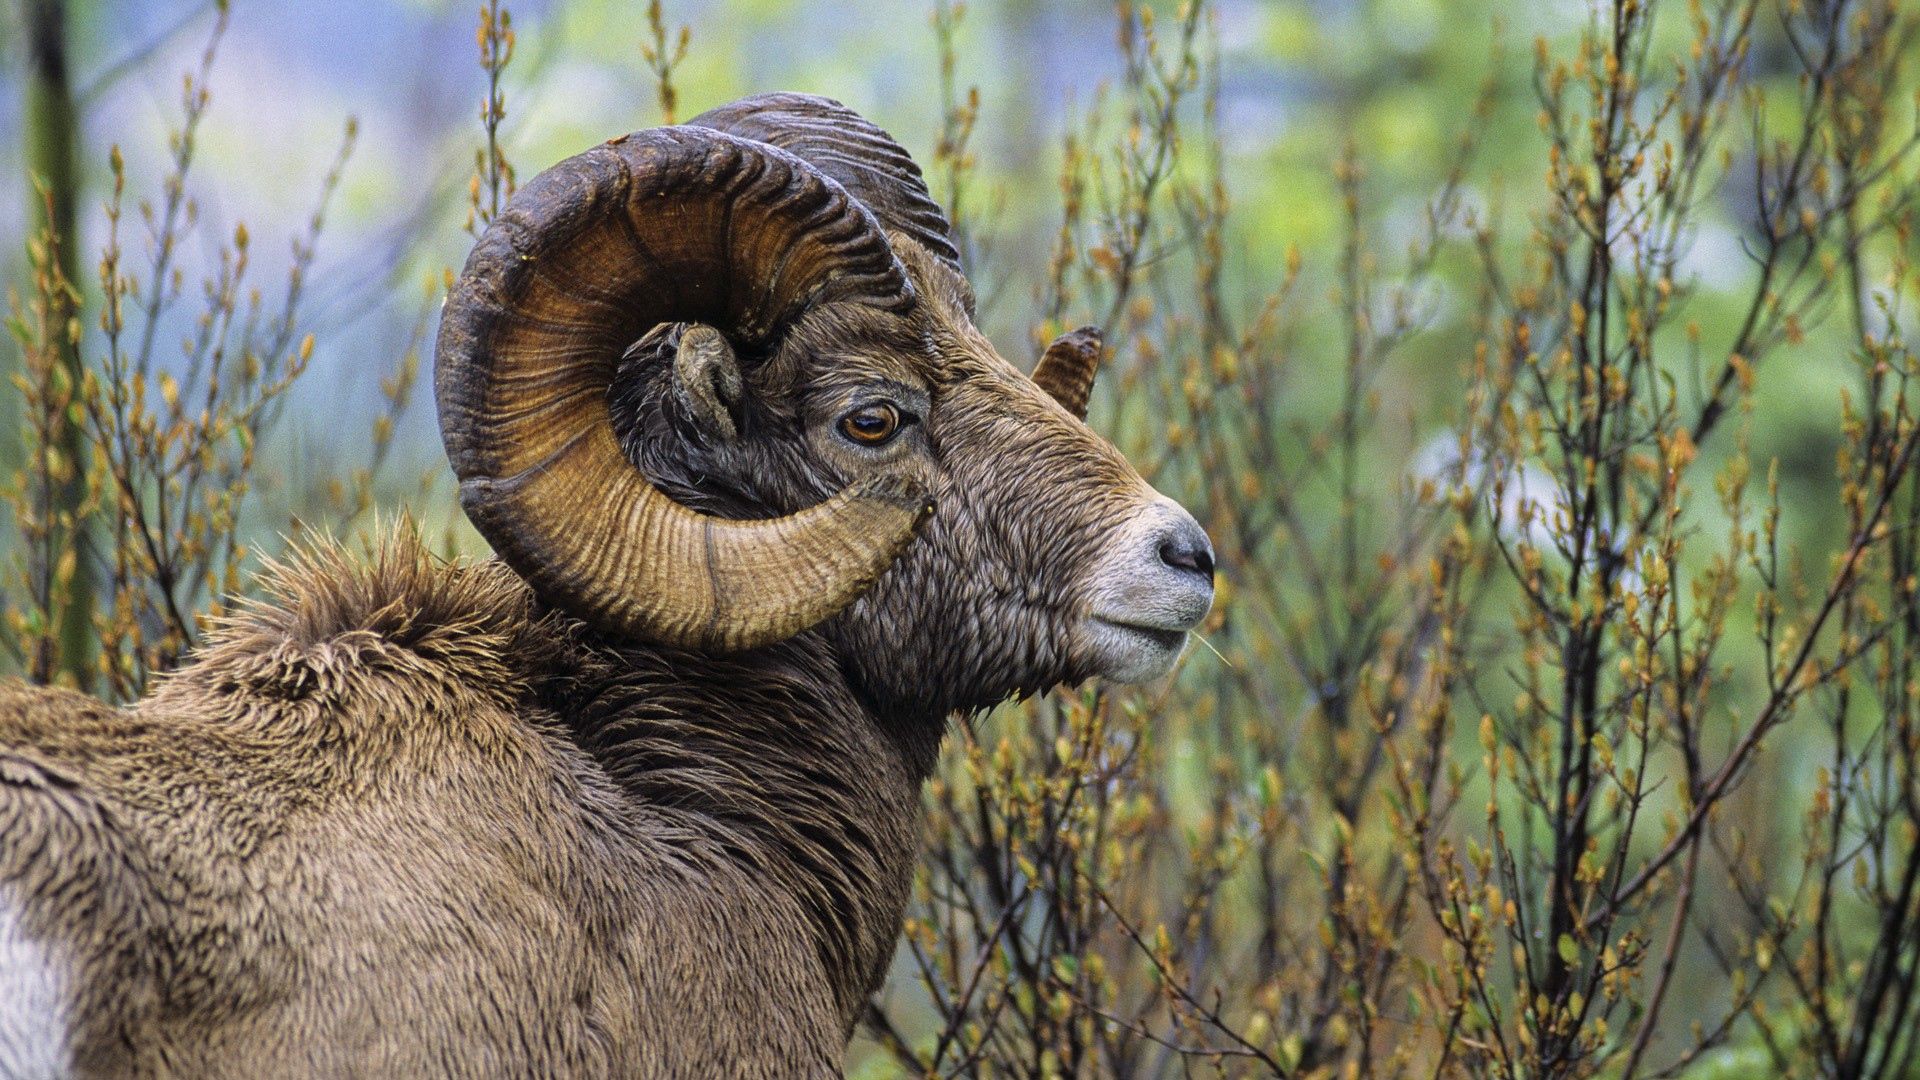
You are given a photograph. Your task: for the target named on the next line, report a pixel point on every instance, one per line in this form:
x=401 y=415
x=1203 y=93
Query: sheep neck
x=776 y=768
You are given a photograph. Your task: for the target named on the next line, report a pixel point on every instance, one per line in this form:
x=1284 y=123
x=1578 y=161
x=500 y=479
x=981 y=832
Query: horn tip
x=902 y=491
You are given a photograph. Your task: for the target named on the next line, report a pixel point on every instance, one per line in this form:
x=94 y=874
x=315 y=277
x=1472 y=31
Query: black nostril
x=1188 y=549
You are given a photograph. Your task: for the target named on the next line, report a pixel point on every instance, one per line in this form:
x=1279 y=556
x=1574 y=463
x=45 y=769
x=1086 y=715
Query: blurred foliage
x=1539 y=371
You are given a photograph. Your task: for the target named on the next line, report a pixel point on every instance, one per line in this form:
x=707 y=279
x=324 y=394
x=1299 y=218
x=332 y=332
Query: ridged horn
x=852 y=150
x=665 y=225
x=1067 y=369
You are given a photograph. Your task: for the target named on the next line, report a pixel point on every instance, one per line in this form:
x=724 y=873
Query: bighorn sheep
x=641 y=797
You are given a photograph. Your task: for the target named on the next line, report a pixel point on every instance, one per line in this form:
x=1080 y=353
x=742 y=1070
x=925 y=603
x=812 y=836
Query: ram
x=641 y=797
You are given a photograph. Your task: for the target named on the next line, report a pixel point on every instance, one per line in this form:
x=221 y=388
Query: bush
x=1557 y=716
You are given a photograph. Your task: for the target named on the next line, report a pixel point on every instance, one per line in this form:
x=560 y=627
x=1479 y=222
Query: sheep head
x=715 y=385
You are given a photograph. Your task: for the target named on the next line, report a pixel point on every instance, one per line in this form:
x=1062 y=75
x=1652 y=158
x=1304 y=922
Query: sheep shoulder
x=350 y=837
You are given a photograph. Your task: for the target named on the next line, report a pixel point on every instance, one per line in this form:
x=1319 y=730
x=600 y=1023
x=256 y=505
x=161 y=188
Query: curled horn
x=852 y=150
x=666 y=225
x=1066 y=370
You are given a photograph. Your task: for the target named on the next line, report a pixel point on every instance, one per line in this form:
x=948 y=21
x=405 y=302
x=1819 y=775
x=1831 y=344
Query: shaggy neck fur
x=780 y=769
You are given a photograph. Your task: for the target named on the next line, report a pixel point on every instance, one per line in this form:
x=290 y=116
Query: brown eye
x=871 y=425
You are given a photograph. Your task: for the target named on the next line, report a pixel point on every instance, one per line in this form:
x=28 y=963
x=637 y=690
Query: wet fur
x=401 y=820
x=404 y=823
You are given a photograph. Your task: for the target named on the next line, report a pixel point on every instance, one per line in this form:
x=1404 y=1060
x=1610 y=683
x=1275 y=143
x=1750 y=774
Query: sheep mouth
x=1167 y=638
x=1131 y=652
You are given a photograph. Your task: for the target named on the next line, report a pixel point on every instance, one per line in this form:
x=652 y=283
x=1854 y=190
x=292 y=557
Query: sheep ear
x=706 y=379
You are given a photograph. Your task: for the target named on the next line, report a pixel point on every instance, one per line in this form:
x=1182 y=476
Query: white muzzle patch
x=1153 y=588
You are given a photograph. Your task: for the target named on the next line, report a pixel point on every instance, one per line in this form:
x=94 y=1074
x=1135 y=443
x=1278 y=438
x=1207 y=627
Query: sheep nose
x=1185 y=547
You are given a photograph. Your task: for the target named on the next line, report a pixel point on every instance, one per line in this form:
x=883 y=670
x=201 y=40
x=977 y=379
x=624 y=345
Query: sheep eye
x=871 y=425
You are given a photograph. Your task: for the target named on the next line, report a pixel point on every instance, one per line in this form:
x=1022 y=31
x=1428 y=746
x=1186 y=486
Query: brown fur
x=403 y=821
x=403 y=824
